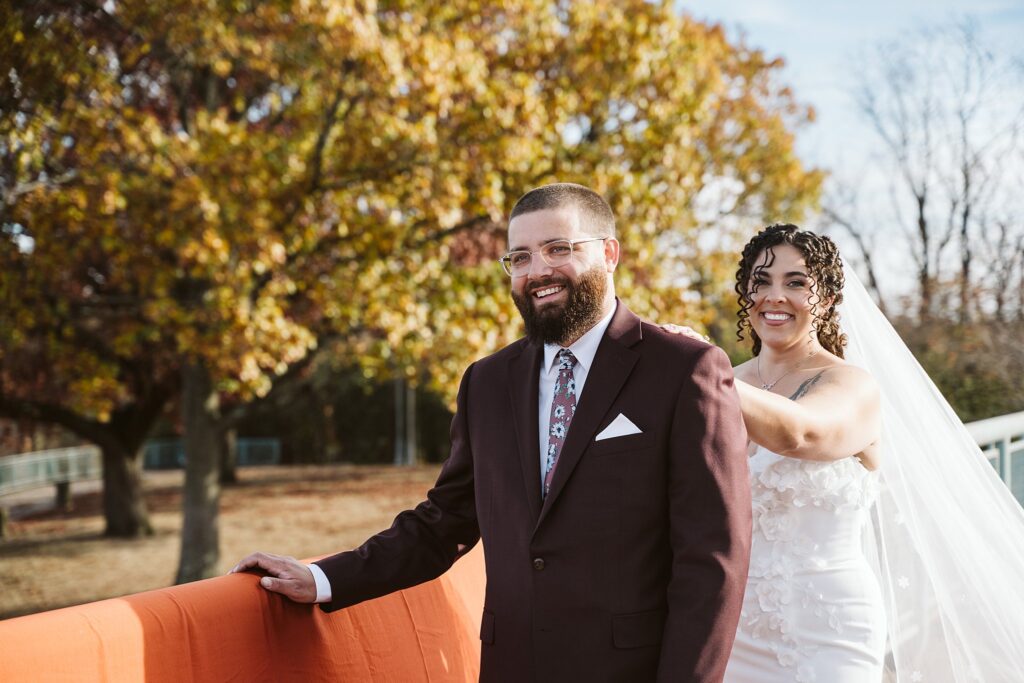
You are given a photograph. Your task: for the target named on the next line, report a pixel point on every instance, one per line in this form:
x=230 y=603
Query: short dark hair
x=598 y=217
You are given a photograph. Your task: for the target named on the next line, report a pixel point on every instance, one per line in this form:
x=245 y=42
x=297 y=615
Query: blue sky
x=820 y=42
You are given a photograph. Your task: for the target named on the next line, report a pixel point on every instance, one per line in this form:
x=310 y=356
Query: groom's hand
x=285 y=575
x=688 y=331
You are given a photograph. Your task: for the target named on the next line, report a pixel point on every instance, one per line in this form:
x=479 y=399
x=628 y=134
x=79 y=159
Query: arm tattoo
x=806 y=386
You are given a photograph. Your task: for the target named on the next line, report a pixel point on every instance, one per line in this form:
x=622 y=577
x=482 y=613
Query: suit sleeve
x=422 y=543
x=710 y=524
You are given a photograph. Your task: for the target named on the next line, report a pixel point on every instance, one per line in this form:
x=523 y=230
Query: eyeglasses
x=555 y=254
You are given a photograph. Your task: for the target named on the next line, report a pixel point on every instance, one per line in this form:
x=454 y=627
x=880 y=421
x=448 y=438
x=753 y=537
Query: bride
x=885 y=547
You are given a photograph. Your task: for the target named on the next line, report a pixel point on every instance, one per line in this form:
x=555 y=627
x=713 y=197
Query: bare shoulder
x=851 y=376
x=838 y=375
x=746 y=371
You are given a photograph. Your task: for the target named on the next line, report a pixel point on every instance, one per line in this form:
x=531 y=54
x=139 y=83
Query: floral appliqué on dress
x=780 y=487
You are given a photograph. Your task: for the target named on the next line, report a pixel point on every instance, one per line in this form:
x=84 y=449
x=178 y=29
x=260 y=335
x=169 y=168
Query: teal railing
x=169 y=454
x=1002 y=441
x=46 y=468
x=62 y=466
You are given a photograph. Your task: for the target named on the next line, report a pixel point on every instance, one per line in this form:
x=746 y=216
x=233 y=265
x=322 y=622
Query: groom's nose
x=538 y=268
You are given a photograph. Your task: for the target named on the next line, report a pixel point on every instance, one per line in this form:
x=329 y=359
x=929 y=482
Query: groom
x=602 y=462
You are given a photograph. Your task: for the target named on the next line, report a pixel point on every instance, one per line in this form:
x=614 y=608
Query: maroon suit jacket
x=633 y=568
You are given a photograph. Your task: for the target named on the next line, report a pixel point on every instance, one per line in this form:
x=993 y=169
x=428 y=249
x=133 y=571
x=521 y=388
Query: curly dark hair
x=824 y=267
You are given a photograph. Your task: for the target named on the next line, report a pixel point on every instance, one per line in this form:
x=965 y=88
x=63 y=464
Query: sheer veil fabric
x=947 y=536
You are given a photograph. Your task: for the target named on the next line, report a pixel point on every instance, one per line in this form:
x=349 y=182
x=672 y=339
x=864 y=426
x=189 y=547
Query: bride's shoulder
x=838 y=371
x=745 y=371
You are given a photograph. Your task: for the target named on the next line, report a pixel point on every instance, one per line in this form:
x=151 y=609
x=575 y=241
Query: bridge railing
x=1002 y=441
x=46 y=468
x=80 y=463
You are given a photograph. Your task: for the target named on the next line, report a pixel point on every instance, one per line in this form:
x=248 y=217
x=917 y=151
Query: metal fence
x=79 y=463
x=45 y=468
x=259 y=452
x=169 y=454
x=1000 y=438
x=1002 y=441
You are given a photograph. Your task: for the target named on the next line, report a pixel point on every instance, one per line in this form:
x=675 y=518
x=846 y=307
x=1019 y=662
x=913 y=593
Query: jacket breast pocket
x=487 y=628
x=617 y=444
x=642 y=629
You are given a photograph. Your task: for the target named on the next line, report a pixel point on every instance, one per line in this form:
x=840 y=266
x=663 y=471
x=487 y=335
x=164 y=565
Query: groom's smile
x=547 y=292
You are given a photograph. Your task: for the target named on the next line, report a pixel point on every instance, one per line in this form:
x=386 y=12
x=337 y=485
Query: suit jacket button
x=538 y=563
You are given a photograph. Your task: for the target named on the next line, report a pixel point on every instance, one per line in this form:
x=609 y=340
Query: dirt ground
x=54 y=559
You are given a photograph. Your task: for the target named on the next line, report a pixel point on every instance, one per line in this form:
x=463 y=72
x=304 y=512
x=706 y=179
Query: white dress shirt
x=323 y=586
x=584 y=350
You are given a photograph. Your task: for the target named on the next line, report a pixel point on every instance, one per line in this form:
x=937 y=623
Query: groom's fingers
x=296 y=588
x=286 y=575
x=264 y=561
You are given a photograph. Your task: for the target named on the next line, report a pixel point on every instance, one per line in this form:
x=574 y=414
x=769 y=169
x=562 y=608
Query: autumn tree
x=216 y=191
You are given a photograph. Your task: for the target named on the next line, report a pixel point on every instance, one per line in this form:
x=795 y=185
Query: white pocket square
x=620 y=426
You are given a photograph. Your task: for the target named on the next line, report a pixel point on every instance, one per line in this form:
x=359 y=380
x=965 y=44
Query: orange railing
x=229 y=629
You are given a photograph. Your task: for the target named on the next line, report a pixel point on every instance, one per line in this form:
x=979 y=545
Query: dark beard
x=581 y=310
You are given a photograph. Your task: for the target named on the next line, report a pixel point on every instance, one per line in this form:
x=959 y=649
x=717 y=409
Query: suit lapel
x=612 y=366
x=524 y=389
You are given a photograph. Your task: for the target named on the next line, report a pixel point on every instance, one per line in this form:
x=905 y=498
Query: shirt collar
x=584 y=348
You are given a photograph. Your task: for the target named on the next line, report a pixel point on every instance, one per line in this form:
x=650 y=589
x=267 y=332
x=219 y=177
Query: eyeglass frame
x=506 y=260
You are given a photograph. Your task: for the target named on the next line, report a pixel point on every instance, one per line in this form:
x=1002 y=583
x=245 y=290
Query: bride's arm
x=834 y=414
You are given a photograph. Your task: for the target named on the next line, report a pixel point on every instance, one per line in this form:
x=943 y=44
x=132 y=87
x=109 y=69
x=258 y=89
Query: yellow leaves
x=111 y=202
x=209 y=250
x=222 y=67
x=278 y=254
x=249 y=371
x=339 y=14
x=449 y=111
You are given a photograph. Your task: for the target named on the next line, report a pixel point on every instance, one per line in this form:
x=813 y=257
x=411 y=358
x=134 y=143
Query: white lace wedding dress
x=813 y=608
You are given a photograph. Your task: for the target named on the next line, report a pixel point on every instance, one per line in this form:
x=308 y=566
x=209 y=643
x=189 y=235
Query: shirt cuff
x=323 y=586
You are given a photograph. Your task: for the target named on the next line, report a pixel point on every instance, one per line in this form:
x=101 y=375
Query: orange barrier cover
x=230 y=629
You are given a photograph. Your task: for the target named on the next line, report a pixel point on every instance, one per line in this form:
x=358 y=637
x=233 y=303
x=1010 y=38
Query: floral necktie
x=563 y=405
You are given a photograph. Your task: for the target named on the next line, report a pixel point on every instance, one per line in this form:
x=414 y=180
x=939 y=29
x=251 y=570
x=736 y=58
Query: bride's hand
x=688 y=331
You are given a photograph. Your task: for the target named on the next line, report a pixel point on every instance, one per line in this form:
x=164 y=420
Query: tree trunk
x=411 y=439
x=229 y=457
x=333 y=448
x=966 y=256
x=200 y=542
x=405 y=423
x=924 y=275
x=400 y=434
x=124 y=506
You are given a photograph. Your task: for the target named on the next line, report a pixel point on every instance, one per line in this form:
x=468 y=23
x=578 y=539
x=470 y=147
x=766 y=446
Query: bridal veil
x=947 y=537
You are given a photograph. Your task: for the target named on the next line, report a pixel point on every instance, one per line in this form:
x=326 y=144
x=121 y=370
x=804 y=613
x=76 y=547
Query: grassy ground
x=55 y=559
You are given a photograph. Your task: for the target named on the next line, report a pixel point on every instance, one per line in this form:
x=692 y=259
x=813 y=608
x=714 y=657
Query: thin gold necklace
x=767 y=386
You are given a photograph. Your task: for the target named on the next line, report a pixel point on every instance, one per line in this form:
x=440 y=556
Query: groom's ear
x=611 y=254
